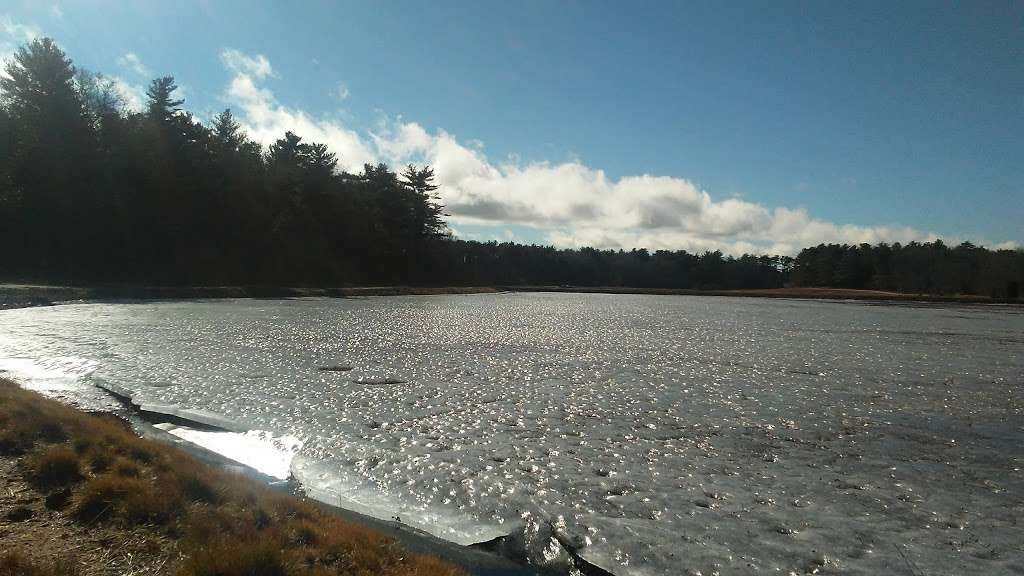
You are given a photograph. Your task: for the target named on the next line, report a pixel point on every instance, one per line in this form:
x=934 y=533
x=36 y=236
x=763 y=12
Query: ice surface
x=652 y=435
x=257 y=449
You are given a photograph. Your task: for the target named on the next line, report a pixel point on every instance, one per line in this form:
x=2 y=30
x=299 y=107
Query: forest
x=92 y=192
x=914 y=268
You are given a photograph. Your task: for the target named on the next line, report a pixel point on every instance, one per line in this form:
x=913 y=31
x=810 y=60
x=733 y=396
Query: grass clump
x=151 y=505
x=127 y=469
x=13 y=563
x=20 y=514
x=100 y=461
x=54 y=467
x=196 y=486
x=20 y=429
x=259 y=556
x=101 y=496
x=132 y=500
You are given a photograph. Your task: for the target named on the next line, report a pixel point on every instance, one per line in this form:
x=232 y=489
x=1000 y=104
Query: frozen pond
x=654 y=435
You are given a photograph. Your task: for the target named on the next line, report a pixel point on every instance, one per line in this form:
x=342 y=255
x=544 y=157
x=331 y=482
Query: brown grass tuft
x=13 y=563
x=54 y=467
x=20 y=514
x=127 y=469
x=303 y=533
x=259 y=556
x=100 y=461
x=151 y=505
x=197 y=486
x=100 y=497
x=133 y=500
x=15 y=442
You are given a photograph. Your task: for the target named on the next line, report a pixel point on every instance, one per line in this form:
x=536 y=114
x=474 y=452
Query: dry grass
x=53 y=467
x=14 y=564
x=226 y=525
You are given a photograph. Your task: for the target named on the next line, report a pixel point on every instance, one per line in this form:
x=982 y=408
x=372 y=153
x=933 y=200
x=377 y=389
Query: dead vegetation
x=97 y=473
x=15 y=564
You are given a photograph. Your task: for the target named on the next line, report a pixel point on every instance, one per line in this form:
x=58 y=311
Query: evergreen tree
x=430 y=212
x=161 y=103
x=227 y=132
x=50 y=141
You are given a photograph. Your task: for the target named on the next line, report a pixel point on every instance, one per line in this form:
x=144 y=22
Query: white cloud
x=266 y=120
x=12 y=35
x=1009 y=245
x=257 y=67
x=570 y=203
x=134 y=95
x=18 y=32
x=341 y=92
x=132 y=62
x=56 y=11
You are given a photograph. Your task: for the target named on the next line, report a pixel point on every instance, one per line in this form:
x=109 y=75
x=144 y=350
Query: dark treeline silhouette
x=916 y=268
x=92 y=193
x=491 y=263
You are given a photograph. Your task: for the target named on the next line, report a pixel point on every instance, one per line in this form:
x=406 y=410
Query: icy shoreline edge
x=24 y=296
x=496 y=557
x=145 y=417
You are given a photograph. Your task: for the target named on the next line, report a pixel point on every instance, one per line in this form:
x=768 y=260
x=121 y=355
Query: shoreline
x=27 y=499
x=491 y=558
x=778 y=293
x=29 y=295
x=477 y=559
x=14 y=296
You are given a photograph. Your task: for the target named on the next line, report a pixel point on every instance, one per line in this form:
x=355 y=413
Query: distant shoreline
x=791 y=293
x=26 y=295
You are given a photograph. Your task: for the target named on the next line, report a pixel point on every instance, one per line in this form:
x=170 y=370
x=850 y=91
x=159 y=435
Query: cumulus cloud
x=570 y=203
x=266 y=119
x=1008 y=245
x=134 y=95
x=132 y=62
x=257 y=67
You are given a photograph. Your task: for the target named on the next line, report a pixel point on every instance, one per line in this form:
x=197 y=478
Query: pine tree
x=50 y=161
x=429 y=211
x=227 y=132
x=162 y=106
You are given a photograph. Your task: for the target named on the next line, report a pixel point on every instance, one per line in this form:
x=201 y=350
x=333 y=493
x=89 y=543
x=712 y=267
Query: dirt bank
x=81 y=494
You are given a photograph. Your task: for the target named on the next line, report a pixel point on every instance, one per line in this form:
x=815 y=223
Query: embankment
x=82 y=494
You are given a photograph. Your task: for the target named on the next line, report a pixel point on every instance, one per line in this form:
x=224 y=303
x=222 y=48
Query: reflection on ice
x=49 y=374
x=647 y=435
x=324 y=482
x=256 y=449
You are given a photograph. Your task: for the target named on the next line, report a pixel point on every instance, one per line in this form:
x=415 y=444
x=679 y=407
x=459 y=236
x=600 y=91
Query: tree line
x=94 y=192
x=916 y=268
x=91 y=191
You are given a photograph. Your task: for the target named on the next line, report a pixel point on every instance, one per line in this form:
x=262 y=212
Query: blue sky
x=740 y=126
